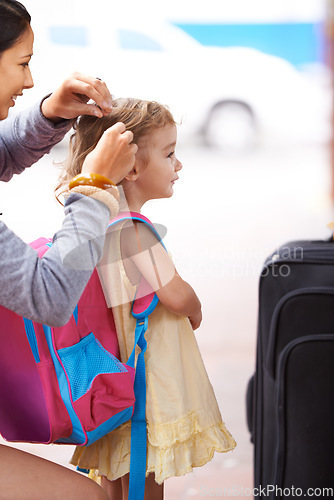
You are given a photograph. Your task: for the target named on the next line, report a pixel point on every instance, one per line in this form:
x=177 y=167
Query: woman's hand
x=71 y=98
x=114 y=155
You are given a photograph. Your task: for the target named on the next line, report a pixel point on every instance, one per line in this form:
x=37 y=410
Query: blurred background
x=250 y=84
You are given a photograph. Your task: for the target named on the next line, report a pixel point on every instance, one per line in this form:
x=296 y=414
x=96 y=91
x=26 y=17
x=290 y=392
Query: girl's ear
x=133 y=174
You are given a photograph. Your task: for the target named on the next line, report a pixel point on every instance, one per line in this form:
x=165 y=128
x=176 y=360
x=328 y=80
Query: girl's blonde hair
x=139 y=116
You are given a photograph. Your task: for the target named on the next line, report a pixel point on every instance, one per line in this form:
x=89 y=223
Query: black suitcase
x=290 y=398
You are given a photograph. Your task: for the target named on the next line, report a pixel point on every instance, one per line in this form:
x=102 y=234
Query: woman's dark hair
x=14 y=20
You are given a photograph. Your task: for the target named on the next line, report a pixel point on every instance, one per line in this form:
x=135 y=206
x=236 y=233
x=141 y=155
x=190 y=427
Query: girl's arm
x=142 y=248
x=180 y=298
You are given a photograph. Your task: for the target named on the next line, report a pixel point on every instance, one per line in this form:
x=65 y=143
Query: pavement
x=228 y=213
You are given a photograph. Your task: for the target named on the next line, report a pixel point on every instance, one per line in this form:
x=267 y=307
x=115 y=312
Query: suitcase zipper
x=301 y=252
x=269 y=361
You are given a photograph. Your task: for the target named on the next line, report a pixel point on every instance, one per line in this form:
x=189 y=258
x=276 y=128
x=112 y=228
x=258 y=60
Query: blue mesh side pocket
x=84 y=361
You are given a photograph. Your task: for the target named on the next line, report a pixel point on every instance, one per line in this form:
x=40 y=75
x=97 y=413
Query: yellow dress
x=184 y=424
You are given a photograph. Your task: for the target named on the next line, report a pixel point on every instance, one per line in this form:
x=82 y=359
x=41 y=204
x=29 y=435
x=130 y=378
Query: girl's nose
x=28 y=82
x=178 y=165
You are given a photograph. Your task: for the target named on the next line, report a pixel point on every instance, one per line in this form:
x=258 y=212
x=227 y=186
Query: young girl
x=184 y=424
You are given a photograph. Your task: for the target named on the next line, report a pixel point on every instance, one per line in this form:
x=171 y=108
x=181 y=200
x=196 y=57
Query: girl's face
x=15 y=72
x=159 y=166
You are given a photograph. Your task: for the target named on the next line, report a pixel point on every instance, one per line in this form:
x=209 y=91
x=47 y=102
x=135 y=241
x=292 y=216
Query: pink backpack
x=55 y=382
x=66 y=384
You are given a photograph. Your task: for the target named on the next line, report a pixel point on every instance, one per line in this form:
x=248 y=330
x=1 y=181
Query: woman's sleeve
x=47 y=289
x=25 y=138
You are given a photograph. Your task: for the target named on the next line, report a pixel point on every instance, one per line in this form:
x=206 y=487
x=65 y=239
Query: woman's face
x=15 y=72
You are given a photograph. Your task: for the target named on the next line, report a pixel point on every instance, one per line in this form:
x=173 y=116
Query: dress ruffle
x=165 y=460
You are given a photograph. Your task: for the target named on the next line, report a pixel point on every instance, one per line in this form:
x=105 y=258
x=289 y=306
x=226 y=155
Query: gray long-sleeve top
x=46 y=290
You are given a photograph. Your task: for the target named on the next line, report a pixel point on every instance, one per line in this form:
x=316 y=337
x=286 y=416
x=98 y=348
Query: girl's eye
x=25 y=65
x=171 y=154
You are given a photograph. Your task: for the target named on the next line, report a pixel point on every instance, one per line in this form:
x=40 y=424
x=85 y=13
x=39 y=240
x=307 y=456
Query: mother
x=46 y=290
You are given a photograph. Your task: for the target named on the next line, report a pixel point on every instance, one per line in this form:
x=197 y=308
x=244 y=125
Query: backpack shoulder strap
x=145 y=299
x=142 y=307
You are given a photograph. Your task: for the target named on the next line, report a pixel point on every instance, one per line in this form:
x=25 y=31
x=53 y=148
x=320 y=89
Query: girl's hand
x=70 y=99
x=114 y=155
x=196 y=320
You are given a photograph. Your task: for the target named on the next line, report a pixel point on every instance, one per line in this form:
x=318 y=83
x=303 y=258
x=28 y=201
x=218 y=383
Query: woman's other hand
x=71 y=98
x=114 y=155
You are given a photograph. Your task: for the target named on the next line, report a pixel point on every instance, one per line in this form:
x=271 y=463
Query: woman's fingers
x=127 y=134
x=114 y=155
x=91 y=88
x=119 y=127
x=71 y=99
x=83 y=90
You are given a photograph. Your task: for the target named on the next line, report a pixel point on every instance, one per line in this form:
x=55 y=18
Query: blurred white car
x=232 y=98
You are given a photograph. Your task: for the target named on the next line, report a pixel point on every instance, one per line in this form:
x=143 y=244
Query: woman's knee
x=96 y=492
